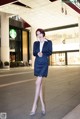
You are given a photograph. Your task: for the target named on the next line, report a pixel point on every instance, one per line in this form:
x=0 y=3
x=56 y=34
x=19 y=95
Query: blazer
x=41 y=63
x=46 y=50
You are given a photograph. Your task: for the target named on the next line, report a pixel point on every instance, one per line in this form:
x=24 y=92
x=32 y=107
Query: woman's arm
x=35 y=52
x=48 y=52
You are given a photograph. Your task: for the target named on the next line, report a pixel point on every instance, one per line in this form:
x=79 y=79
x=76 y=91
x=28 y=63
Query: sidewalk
x=74 y=114
x=15 y=70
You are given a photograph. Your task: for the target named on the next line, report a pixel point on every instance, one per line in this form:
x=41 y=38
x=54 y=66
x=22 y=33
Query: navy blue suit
x=41 y=63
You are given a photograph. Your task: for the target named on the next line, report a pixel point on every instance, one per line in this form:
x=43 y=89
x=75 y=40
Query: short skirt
x=41 y=66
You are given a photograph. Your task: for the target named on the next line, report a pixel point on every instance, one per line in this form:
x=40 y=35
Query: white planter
x=6 y=67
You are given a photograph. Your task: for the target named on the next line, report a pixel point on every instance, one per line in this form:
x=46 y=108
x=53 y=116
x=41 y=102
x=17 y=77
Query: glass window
x=73 y=58
x=58 y=59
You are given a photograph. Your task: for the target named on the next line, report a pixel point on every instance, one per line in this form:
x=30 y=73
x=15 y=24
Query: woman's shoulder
x=35 y=42
x=49 y=41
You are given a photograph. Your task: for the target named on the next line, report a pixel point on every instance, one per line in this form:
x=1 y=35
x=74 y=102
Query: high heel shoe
x=43 y=113
x=32 y=113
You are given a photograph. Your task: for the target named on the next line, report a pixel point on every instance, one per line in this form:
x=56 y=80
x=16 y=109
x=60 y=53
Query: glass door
x=58 y=59
x=73 y=58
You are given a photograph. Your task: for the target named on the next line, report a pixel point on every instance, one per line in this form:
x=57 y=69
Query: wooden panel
x=25 y=46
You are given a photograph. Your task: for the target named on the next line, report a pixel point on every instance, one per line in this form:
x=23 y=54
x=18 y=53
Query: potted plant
x=1 y=64
x=6 y=64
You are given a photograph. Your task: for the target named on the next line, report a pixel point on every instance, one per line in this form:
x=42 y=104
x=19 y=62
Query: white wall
x=65 y=39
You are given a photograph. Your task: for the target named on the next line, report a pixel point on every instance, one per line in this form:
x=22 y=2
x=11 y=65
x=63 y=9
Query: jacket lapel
x=44 y=46
x=38 y=46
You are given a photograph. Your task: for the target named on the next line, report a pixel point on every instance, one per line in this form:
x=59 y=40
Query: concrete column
x=79 y=33
x=4 y=37
x=33 y=38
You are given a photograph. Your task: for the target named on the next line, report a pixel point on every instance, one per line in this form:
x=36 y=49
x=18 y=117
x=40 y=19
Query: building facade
x=17 y=42
x=66 y=45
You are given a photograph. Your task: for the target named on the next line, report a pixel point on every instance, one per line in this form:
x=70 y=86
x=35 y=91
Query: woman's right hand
x=40 y=54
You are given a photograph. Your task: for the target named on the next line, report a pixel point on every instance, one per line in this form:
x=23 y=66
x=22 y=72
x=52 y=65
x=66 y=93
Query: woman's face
x=39 y=35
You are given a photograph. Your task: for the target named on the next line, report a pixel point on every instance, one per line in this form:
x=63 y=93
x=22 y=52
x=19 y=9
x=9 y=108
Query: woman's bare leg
x=37 y=93
x=41 y=98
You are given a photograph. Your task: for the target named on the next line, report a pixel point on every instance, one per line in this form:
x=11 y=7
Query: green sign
x=13 y=33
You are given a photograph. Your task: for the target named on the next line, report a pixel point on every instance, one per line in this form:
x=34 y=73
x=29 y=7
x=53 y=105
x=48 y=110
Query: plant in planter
x=6 y=63
x=1 y=64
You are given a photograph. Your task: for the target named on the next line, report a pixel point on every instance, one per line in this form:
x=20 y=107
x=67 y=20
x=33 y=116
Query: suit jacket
x=46 y=50
x=41 y=63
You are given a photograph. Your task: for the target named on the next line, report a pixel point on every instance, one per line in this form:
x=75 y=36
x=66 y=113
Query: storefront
x=65 y=58
x=65 y=45
x=18 y=41
x=19 y=44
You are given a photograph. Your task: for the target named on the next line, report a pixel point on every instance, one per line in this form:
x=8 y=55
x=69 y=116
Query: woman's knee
x=38 y=81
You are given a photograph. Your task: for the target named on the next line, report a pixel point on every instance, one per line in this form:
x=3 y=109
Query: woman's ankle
x=34 y=108
x=43 y=107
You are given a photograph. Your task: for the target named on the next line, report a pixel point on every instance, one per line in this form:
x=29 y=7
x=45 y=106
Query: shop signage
x=13 y=33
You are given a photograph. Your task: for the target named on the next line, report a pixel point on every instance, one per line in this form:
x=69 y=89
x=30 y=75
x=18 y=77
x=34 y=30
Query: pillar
x=4 y=37
x=33 y=39
x=79 y=33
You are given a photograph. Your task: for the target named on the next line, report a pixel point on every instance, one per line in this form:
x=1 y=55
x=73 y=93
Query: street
x=61 y=92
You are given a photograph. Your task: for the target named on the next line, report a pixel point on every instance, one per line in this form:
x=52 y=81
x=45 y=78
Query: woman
x=42 y=49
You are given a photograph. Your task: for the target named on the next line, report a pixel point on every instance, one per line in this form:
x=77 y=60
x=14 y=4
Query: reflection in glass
x=58 y=59
x=72 y=59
